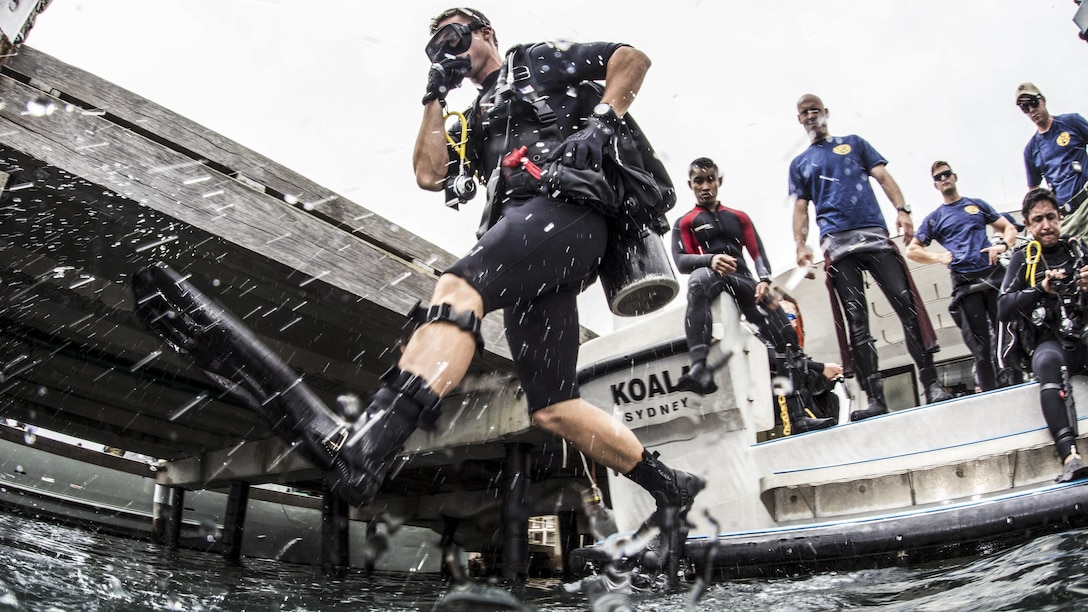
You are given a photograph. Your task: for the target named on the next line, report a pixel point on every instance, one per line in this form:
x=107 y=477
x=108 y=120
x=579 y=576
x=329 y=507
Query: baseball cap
x=1027 y=90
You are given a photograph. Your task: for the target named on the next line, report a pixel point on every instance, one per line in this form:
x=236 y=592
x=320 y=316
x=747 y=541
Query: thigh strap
x=465 y=321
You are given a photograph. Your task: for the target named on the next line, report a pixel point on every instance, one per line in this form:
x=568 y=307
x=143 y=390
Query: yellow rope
x=1032 y=256
x=786 y=427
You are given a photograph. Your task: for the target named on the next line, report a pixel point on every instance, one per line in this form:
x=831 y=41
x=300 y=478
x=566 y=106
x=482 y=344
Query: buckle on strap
x=418 y=391
x=519 y=73
x=336 y=441
x=465 y=321
x=1078 y=198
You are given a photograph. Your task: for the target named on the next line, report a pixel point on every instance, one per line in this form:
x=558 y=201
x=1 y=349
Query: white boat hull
x=908 y=480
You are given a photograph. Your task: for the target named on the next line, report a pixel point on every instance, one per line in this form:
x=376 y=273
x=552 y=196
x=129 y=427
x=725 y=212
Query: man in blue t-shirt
x=1056 y=150
x=833 y=174
x=960 y=227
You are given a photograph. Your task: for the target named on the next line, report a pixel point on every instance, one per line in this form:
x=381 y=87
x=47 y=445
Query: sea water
x=49 y=566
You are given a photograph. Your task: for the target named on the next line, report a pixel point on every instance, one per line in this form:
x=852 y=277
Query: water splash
x=193 y=402
x=146 y=360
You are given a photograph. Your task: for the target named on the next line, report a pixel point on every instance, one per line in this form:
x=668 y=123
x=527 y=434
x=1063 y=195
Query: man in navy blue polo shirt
x=959 y=225
x=833 y=174
x=1056 y=153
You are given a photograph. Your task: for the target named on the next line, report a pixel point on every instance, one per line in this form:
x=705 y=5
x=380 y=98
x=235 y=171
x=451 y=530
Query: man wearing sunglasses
x=1056 y=153
x=959 y=225
x=833 y=174
x=539 y=250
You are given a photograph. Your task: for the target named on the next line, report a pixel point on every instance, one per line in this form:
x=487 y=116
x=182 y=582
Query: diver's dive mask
x=452 y=39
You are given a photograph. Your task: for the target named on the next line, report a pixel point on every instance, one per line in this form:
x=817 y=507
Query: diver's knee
x=458 y=293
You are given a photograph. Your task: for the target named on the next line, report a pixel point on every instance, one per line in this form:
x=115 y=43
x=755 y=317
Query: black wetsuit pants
x=1047 y=362
x=533 y=263
x=887 y=270
x=704 y=285
x=974 y=309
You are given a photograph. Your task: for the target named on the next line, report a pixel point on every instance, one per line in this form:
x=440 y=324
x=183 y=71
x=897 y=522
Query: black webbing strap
x=465 y=321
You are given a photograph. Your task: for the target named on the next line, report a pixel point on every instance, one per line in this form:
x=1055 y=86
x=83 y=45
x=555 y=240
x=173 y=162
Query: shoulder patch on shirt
x=1063 y=139
x=842 y=149
x=971 y=209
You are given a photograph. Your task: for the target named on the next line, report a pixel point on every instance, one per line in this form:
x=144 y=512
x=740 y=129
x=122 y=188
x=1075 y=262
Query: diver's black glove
x=585 y=148
x=445 y=74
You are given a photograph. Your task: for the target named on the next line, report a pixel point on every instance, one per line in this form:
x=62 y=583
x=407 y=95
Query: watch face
x=905 y=208
x=602 y=109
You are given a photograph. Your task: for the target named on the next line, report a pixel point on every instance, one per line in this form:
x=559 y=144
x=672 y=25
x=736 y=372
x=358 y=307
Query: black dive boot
x=935 y=392
x=403 y=403
x=669 y=487
x=700 y=377
x=793 y=364
x=1073 y=469
x=215 y=341
x=801 y=420
x=674 y=491
x=875 y=391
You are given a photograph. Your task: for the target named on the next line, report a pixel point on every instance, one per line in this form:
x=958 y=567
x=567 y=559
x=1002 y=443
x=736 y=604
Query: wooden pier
x=98 y=181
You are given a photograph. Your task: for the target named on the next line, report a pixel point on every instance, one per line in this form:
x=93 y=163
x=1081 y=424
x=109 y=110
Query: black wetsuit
x=889 y=271
x=697 y=237
x=537 y=253
x=1052 y=349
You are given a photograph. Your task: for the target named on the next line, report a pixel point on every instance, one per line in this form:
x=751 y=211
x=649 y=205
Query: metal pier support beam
x=234 y=521
x=515 y=512
x=568 y=538
x=371 y=537
x=166 y=511
x=335 y=541
x=450 y=567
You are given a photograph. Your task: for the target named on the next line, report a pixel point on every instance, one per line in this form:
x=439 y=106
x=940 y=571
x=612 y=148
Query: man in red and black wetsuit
x=707 y=243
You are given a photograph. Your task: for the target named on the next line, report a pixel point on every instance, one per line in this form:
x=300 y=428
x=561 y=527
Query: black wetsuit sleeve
x=1018 y=298
x=682 y=241
x=556 y=66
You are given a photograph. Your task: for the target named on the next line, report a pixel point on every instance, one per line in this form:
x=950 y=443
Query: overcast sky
x=331 y=88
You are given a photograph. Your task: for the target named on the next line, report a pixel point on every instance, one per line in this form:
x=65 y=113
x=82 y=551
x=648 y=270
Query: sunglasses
x=452 y=39
x=940 y=176
x=1027 y=105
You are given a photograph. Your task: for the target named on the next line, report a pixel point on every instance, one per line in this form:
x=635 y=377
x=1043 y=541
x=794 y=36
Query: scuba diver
x=557 y=191
x=1043 y=296
x=548 y=160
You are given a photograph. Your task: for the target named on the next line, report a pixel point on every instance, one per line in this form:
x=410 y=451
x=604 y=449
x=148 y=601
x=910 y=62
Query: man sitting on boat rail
x=707 y=243
x=959 y=225
x=1044 y=293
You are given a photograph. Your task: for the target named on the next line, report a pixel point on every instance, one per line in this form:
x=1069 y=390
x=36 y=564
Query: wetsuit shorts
x=533 y=264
